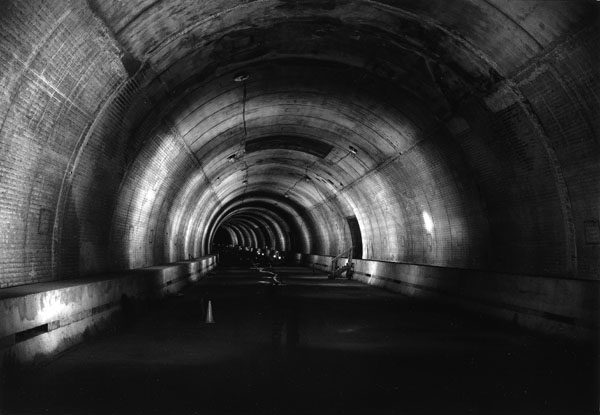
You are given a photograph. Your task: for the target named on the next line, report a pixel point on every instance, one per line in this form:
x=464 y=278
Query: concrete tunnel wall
x=130 y=131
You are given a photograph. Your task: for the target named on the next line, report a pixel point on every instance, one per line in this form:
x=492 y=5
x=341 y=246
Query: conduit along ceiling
x=281 y=123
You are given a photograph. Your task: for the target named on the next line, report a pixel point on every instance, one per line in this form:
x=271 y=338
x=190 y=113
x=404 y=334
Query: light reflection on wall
x=197 y=220
x=146 y=191
x=182 y=204
x=428 y=221
x=391 y=221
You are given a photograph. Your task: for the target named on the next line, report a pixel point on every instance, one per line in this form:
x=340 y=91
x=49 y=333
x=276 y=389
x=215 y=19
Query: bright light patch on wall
x=428 y=221
x=51 y=308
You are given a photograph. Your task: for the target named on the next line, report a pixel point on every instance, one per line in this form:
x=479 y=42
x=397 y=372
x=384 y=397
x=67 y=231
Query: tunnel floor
x=309 y=346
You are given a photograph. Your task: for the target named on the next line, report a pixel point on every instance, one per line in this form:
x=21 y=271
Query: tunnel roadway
x=310 y=345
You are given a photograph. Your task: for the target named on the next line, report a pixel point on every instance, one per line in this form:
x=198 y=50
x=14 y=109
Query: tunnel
x=299 y=206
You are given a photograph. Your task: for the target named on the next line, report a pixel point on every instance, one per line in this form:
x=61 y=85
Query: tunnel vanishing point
x=451 y=146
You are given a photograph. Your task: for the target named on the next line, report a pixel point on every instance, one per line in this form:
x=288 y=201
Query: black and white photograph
x=298 y=207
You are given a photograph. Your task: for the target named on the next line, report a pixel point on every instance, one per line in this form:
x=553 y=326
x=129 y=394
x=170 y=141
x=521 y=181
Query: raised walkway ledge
x=41 y=320
x=536 y=303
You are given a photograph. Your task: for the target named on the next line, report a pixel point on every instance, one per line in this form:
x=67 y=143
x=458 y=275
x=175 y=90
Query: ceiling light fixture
x=241 y=77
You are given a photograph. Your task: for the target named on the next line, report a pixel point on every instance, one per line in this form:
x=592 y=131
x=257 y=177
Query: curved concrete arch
x=261 y=235
x=271 y=224
x=243 y=238
x=275 y=237
x=256 y=236
x=268 y=236
x=231 y=234
x=452 y=135
x=285 y=212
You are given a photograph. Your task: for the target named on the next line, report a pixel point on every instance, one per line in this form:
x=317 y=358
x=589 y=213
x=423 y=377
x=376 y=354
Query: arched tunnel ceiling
x=300 y=114
x=336 y=127
x=290 y=98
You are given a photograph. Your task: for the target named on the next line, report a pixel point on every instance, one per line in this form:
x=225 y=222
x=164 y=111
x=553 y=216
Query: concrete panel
x=557 y=306
x=40 y=320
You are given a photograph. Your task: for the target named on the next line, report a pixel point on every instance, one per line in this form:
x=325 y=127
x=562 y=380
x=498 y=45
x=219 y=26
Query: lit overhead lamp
x=241 y=77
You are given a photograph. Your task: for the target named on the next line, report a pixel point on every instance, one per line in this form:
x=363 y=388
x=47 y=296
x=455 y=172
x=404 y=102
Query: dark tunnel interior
x=419 y=177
